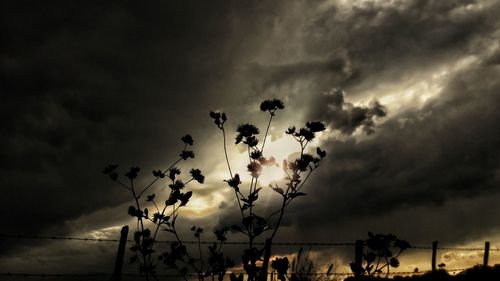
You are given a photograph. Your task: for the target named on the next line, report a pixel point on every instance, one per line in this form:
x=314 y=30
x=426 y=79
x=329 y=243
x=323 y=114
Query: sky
x=409 y=92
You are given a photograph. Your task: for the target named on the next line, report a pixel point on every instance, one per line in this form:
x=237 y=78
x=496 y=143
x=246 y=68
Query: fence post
x=486 y=253
x=117 y=275
x=434 y=251
x=358 y=257
x=265 y=262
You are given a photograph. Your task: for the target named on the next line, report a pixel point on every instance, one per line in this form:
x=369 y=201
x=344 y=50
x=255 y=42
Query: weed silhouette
x=297 y=174
x=380 y=255
x=164 y=218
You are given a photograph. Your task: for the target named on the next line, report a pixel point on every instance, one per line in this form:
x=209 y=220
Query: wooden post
x=265 y=262
x=117 y=275
x=434 y=251
x=486 y=253
x=358 y=256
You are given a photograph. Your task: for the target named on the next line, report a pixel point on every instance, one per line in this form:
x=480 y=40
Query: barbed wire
x=87 y=239
x=21 y=236
x=42 y=275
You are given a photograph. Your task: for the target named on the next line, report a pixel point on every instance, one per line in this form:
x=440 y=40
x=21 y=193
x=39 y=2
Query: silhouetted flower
x=247 y=130
x=306 y=133
x=271 y=105
x=315 y=126
x=174 y=171
x=255 y=155
x=187 y=139
x=281 y=267
x=291 y=130
x=251 y=141
x=394 y=262
x=158 y=174
x=219 y=118
x=255 y=169
x=234 y=182
x=196 y=174
x=303 y=162
x=132 y=174
x=267 y=162
x=177 y=185
x=246 y=134
x=185 y=154
x=150 y=197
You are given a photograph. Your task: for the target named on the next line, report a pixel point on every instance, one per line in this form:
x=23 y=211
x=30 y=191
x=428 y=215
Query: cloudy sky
x=409 y=91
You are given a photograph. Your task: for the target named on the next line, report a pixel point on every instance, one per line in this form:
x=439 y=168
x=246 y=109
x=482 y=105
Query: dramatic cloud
x=412 y=142
x=345 y=116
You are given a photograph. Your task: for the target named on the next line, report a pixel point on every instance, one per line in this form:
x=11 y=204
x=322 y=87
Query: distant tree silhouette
x=297 y=174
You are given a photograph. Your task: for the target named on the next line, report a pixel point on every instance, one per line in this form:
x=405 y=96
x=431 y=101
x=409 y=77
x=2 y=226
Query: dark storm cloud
x=345 y=116
x=447 y=151
x=373 y=43
x=87 y=84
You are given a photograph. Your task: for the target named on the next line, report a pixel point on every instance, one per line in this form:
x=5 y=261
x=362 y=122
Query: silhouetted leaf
x=401 y=244
x=109 y=169
x=297 y=194
x=184 y=198
x=278 y=189
x=321 y=153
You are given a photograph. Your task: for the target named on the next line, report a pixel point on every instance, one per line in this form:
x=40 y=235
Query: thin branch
x=150 y=184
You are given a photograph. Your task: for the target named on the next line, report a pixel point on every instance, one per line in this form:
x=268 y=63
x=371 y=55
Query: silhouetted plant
x=297 y=173
x=382 y=252
x=164 y=218
x=302 y=268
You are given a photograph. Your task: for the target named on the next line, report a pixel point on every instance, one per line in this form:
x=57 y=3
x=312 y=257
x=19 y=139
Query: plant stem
x=136 y=198
x=230 y=172
x=267 y=130
x=151 y=183
x=225 y=152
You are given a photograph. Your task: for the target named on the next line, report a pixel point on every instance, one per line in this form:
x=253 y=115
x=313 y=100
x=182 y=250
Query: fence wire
x=21 y=236
x=42 y=275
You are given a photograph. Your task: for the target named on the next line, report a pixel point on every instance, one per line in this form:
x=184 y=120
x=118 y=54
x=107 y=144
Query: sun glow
x=280 y=149
x=271 y=174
